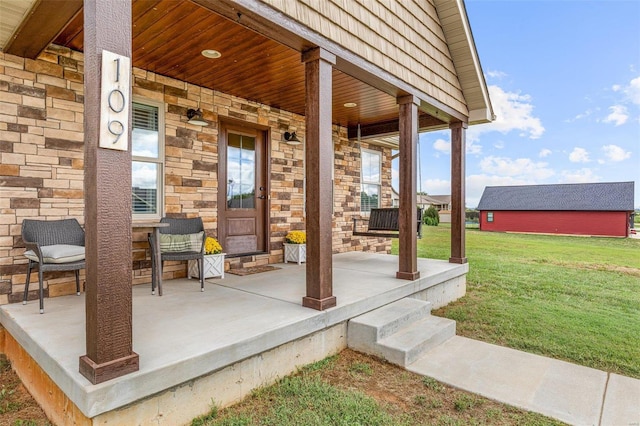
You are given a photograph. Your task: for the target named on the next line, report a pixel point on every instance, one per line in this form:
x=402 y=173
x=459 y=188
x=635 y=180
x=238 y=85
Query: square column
x=107 y=194
x=408 y=215
x=458 y=148
x=319 y=163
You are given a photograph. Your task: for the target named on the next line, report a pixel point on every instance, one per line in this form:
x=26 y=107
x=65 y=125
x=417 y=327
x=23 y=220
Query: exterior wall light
x=195 y=117
x=292 y=138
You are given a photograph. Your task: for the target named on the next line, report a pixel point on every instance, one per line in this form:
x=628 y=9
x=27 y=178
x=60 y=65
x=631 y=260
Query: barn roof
x=612 y=196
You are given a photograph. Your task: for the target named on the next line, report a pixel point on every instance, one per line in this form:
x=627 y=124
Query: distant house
x=441 y=202
x=604 y=209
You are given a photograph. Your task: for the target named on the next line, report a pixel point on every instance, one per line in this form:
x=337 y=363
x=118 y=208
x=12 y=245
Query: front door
x=242 y=189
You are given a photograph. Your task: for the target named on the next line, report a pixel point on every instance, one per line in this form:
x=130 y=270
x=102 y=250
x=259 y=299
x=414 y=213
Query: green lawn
x=353 y=389
x=572 y=298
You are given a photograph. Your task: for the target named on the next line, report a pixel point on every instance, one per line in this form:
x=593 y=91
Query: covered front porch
x=213 y=347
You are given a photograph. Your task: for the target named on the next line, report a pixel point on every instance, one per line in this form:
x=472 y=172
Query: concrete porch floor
x=187 y=334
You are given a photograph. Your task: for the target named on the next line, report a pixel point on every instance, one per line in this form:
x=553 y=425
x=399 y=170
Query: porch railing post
x=458 y=147
x=107 y=192
x=319 y=162
x=407 y=220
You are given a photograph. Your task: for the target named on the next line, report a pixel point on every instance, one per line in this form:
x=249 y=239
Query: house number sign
x=114 y=101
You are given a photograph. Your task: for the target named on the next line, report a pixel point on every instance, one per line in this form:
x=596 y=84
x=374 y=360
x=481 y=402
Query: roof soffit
x=37 y=28
x=457 y=31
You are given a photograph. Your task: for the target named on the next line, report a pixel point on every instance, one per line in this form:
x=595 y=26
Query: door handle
x=262 y=197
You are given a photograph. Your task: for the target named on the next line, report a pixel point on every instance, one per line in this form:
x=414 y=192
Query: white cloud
x=514 y=112
x=475 y=185
x=618 y=115
x=473 y=147
x=582 y=115
x=633 y=91
x=616 y=87
x=436 y=186
x=496 y=74
x=583 y=175
x=615 y=153
x=579 y=155
x=520 y=167
x=498 y=145
x=544 y=153
x=474 y=188
x=442 y=146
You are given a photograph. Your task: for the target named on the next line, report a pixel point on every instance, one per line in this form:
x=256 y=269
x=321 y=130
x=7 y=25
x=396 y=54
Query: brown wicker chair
x=179 y=227
x=52 y=245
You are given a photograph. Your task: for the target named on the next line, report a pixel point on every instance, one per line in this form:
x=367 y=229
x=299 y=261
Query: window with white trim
x=489 y=216
x=147 y=143
x=370 y=179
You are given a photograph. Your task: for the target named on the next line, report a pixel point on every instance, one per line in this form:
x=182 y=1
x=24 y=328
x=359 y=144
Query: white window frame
x=378 y=183
x=158 y=161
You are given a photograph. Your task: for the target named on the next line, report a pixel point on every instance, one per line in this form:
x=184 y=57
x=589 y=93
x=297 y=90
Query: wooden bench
x=383 y=223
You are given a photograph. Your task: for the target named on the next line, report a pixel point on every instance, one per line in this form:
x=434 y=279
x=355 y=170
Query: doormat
x=252 y=270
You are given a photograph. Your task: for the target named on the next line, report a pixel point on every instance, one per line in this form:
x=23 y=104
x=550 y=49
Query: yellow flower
x=212 y=246
x=296 y=237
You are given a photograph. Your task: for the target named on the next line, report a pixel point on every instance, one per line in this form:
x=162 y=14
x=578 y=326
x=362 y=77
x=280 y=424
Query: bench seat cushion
x=58 y=253
x=178 y=243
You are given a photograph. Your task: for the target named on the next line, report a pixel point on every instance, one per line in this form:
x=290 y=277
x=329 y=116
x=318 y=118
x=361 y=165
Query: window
x=146 y=166
x=489 y=216
x=370 y=179
x=241 y=171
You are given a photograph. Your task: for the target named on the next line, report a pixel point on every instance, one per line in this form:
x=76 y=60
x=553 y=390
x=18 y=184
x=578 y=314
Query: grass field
x=353 y=389
x=571 y=298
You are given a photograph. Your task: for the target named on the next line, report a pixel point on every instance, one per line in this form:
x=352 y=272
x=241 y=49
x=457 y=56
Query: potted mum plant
x=213 y=260
x=295 y=247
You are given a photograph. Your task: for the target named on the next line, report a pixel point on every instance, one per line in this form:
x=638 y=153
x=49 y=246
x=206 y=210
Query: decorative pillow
x=175 y=243
x=57 y=253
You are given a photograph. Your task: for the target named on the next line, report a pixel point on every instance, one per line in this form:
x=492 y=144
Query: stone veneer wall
x=42 y=167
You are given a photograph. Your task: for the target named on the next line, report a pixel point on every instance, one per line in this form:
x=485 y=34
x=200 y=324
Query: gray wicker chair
x=52 y=245
x=178 y=227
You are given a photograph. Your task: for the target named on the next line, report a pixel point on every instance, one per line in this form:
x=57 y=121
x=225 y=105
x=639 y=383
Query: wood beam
x=46 y=19
x=458 y=148
x=107 y=189
x=407 y=225
x=318 y=163
x=385 y=128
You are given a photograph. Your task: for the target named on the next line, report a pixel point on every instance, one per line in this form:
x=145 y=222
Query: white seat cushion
x=58 y=253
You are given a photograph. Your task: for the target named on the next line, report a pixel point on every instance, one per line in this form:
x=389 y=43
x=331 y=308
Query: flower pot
x=213 y=266
x=295 y=253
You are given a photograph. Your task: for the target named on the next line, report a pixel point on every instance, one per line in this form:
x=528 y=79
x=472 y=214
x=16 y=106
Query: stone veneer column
x=107 y=184
x=319 y=162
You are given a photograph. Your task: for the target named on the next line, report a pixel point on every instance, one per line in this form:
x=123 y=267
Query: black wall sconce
x=292 y=138
x=195 y=117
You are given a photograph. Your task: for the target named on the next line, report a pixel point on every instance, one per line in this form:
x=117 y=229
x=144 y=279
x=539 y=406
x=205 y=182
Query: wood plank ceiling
x=169 y=36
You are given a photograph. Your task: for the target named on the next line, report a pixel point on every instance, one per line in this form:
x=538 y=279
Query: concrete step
x=412 y=341
x=399 y=332
x=369 y=328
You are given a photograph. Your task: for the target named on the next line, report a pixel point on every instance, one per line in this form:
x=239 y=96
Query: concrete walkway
x=568 y=392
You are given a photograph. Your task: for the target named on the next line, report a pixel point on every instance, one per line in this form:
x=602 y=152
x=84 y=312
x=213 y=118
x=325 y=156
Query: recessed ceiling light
x=350 y=105
x=210 y=53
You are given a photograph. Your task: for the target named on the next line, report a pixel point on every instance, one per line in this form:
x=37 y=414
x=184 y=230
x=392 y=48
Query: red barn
x=604 y=209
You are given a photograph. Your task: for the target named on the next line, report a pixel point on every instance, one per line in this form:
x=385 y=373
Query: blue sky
x=564 y=81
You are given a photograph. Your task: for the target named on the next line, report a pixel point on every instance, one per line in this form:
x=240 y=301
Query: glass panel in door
x=241 y=172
